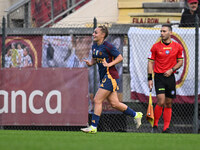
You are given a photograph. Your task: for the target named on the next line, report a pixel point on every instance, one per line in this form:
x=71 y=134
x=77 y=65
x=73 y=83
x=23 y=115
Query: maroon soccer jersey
x=165 y=56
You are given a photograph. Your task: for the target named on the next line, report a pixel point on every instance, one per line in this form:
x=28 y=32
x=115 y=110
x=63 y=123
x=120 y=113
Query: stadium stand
x=147 y=11
x=84 y=16
x=40 y=13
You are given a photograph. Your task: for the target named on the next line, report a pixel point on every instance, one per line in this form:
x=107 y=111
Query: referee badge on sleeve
x=150 y=54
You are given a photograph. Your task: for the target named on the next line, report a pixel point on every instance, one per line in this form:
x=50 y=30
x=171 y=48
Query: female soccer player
x=107 y=56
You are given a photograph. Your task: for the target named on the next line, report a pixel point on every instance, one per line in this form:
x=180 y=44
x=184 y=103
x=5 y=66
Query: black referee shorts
x=165 y=85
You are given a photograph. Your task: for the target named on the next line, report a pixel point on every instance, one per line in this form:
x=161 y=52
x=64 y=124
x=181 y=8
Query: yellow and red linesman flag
x=150 y=115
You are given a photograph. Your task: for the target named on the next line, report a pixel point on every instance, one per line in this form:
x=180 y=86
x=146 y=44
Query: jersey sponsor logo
x=99 y=60
x=167 y=48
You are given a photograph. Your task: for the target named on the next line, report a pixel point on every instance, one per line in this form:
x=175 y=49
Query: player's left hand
x=168 y=73
x=105 y=64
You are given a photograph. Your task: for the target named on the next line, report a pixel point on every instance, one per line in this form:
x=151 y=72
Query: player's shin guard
x=167 y=114
x=157 y=114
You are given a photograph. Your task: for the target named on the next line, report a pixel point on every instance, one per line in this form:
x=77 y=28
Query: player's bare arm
x=150 y=71
x=116 y=61
x=176 y=67
x=90 y=62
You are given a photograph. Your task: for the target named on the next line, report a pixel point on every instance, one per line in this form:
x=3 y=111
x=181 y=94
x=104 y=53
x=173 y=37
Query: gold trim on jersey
x=114 y=82
x=104 y=80
x=167 y=48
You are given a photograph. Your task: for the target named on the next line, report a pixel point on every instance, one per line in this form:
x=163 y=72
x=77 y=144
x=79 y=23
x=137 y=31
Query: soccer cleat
x=89 y=129
x=138 y=119
x=166 y=131
x=155 y=130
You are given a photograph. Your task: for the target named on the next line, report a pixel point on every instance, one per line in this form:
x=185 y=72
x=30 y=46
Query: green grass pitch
x=67 y=140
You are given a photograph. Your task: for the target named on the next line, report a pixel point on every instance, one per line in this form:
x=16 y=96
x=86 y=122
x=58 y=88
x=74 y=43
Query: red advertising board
x=0 y=49
x=44 y=96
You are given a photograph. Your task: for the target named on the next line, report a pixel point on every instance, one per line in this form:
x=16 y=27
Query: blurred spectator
x=8 y=59
x=27 y=61
x=188 y=16
x=83 y=46
x=186 y=4
x=50 y=52
x=80 y=50
x=20 y=55
x=14 y=55
x=50 y=55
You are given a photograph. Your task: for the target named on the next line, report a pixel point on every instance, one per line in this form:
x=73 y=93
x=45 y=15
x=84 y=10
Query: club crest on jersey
x=167 y=52
x=100 y=53
x=93 y=51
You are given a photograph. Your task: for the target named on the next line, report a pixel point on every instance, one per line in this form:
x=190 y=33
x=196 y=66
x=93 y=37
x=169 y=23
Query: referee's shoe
x=154 y=129
x=166 y=131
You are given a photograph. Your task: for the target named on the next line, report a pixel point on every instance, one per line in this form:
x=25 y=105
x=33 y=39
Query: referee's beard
x=166 y=39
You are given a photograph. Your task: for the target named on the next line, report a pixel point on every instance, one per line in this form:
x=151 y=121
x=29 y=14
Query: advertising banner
x=44 y=96
x=23 y=52
x=141 y=40
x=0 y=50
x=66 y=51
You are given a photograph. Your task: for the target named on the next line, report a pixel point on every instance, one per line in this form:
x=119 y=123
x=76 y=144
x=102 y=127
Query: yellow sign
x=145 y=20
x=154 y=18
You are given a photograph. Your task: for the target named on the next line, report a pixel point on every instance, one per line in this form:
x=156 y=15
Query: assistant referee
x=164 y=59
